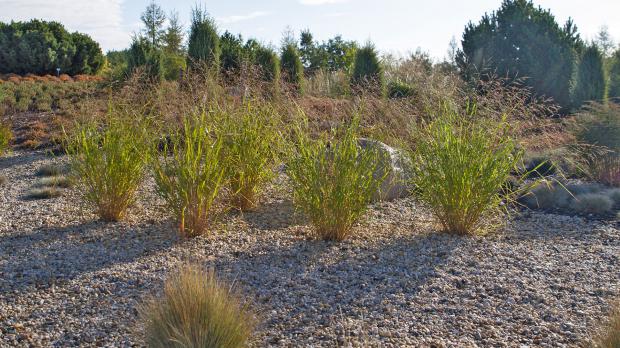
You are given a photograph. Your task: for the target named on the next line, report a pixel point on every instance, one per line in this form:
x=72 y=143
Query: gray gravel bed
x=67 y=279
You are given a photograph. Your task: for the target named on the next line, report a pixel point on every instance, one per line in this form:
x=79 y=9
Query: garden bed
x=67 y=279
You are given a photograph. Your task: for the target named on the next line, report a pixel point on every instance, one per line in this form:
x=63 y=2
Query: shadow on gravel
x=24 y=158
x=318 y=283
x=54 y=255
x=272 y=216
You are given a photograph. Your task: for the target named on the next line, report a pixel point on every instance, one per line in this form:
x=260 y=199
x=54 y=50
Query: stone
x=395 y=184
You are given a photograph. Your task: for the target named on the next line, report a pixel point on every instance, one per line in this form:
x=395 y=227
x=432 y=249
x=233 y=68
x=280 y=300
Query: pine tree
x=614 y=77
x=367 y=70
x=232 y=56
x=153 y=18
x=173 y=38
x=590 y=77
x=269 y=65
x=521 y=40
x=292 y=68
x=204 y=41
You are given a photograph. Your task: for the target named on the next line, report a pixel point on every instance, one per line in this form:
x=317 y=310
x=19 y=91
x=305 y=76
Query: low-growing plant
x=251 y=141
x=460 y=166
x=334 y=181
x=44 y=193
x=191 y=178
x=109 y=162
x=3 y=180
x=47 y=170
x=55 y=181
x=197 y=310
x=592 y=203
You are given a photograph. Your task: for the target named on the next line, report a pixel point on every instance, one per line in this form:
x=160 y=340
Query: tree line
x=40 y=47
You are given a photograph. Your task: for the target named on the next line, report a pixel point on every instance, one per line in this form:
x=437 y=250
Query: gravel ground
x=69 y=280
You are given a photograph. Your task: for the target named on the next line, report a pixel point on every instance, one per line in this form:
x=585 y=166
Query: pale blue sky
x=397 y=26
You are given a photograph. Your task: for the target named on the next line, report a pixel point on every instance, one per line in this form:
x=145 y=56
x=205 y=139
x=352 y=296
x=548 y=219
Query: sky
x=394 y=26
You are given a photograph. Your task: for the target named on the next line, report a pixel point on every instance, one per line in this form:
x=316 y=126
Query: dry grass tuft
x=610 y=337
x=44 y=193
x=197 y=310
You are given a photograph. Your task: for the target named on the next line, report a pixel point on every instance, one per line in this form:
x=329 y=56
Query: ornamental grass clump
x=197 y=310
x=192 y=176
x=250 y=148
x=6 y=135
x=460 y=166
x=334 y=181
x=109 y=162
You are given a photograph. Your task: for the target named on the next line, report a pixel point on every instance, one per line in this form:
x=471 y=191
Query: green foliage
x=174 y=35
x=332 y=55
x=118 y=62
x=614 y=76
x=251 y=141
x=292 y=69
x=153 y=18
x=461 y=163
x=204 y=41
x=367 y=71
x=196 y=310
x=40 y=47
x=269 y=67
x=398 y=89
x=334 y=181
x=173 y=65
x=191 y=178
x=145 y=59
x=521 y=40
x=590 y=77
x=109 y=162
x=6 y=135
x=233 y=53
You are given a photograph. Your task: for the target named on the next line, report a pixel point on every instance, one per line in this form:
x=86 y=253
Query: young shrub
x=203 y=47
x=460 y=166
x=269 y=68
x=109 y=163
x=6 y=135
x=334 y=181
x=191 y=178
x=592 y=203
x=367 y=71
x=292 y=69
x=196 y=310
x=250 y=148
